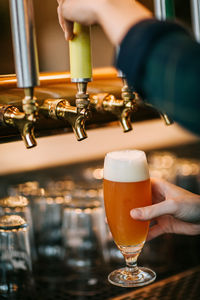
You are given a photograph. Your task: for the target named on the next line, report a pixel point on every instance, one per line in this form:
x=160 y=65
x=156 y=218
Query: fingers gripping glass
x=127 y=186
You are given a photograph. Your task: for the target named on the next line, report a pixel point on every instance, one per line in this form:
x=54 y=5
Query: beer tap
x=164 y=9
x=195 y=12
x=129 y=98
x=26 y=64
x=81 y=74
x=122 y=108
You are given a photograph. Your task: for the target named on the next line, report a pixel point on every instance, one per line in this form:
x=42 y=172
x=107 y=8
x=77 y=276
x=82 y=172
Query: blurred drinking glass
x=127 y=186
x=15 y=260
x=19 y=205
x=63 y=187
x=84 y=233
x=24 y=189
x=47 y=215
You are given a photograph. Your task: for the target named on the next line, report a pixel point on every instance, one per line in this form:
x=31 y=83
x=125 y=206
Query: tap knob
x=12 y=116
x=81 y=74
x=80 y=54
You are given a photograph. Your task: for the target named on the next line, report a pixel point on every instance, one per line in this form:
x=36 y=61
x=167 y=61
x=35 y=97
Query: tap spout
x=165 y=117
x=76 y=116
x=61 y=109
x=27 y=133
x=122 y=108
x=168 y=121
x=11 y=116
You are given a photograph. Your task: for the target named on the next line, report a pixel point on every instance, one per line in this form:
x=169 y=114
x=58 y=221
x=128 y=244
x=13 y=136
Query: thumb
x=153 y=211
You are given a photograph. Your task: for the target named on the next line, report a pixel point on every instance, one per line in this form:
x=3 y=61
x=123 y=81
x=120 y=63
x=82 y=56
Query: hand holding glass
x=127 y=186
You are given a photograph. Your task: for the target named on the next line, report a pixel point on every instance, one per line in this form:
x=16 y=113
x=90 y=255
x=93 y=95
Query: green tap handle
x=170 y=10
x=80 y=54
x=164 y=9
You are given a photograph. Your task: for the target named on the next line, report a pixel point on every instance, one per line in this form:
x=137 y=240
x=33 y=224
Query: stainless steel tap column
x=195 y=13
x=26 y=66
x=164 y=9
x=24 y=43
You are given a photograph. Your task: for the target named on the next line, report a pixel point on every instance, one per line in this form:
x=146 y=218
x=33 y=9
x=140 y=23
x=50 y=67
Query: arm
x=115 y=16
x=160 y=59
x=174 y=210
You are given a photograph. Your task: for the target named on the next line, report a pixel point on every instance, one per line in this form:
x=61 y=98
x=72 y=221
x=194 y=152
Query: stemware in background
x=127 y=186
x=63 y=187
x=84 y=232
x=47 y=214
x=15 y=260
x=25 y=189
x=19 y=205
x=92 y=190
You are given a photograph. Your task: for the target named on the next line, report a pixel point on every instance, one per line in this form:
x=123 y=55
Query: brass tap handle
x=11 y=116
x=61 y=109
x=76 y=116
x=29 y=105
x=121 y=108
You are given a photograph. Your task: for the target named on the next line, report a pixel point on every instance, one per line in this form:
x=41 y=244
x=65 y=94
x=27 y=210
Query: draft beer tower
x=164 y=9
x=27 y=68
x=27 y=72
x=81 y=66
x=81 y=74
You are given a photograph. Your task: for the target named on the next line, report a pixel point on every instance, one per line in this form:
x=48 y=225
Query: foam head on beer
x=126 y=166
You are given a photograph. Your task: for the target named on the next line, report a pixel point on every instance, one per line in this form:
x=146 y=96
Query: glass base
x=132 y=277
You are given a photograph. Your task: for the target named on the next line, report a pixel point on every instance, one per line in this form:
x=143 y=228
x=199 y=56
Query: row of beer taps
x=27 y=72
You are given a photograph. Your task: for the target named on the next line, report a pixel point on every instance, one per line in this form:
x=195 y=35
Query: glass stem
x=131 y=263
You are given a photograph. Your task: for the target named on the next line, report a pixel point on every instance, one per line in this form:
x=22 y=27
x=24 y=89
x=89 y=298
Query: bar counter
x=174 y=258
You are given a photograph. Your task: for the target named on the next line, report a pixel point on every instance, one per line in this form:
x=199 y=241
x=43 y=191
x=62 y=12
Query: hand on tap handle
x=108 y=13
x=159 y=58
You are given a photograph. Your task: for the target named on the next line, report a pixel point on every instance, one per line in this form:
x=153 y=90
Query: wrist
x=117 y=17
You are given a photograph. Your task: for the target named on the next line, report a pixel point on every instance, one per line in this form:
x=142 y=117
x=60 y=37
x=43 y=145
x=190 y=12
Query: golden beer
x=120 y=198
x=127 y=186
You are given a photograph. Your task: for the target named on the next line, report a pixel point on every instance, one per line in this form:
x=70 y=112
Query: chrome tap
x=164 y=10
x=195 y=12
x=27 y=69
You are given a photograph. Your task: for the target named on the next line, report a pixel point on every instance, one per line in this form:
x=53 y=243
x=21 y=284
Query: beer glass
x=127 y=186
x=19 y=205
x=15 y=260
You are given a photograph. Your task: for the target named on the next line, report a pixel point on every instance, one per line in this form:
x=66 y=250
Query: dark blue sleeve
x=162 y=61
